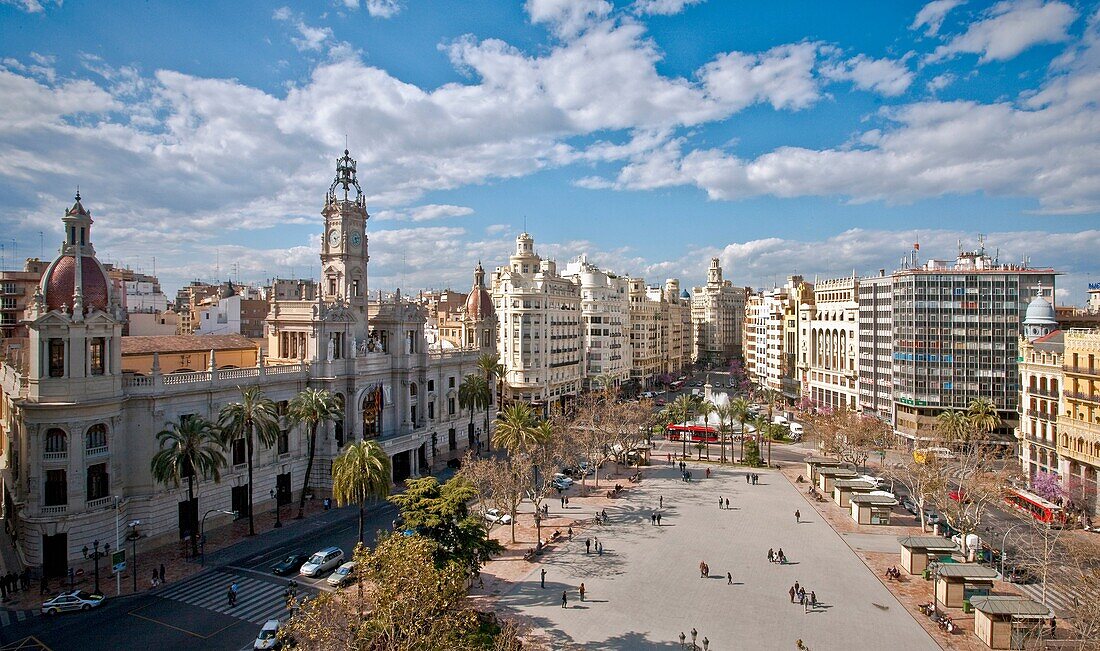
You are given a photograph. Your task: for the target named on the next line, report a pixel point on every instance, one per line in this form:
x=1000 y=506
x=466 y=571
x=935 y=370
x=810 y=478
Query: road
x=194 y=613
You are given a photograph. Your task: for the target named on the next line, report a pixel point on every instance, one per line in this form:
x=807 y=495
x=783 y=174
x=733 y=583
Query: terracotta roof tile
x=146 y=345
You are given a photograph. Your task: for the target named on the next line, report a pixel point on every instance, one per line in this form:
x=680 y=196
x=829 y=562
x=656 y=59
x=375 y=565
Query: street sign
x=118 y=560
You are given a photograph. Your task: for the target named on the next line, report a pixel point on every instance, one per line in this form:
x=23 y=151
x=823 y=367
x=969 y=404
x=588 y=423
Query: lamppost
x=133 y=538
x=1004 y=541
x=694 y=634
x=202 y=534
x=682 y=638
x=96 y=555
x=278 y=520
x=706 y=643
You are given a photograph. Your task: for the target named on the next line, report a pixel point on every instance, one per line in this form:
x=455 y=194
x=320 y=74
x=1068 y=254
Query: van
x=322 y=561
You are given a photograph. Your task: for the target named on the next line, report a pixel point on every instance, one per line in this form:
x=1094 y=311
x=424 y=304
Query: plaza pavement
x=646 y=588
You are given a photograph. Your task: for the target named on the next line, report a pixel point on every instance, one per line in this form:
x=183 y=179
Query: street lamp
x=202 y=534
x=694 y=634
x=96 y=555
x=706 y=643
x=133 y=538
x=278 y=520
x=1004 y=541
x=682 y=638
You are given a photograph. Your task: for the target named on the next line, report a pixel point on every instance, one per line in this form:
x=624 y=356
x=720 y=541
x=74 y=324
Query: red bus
x=695 y=433
x=676 y=385
x=1037 y=507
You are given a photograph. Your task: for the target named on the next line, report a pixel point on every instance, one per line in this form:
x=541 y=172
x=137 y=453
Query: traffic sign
x=118 y=560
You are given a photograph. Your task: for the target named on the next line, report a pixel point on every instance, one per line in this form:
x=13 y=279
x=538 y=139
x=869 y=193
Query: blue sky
x=783 y=137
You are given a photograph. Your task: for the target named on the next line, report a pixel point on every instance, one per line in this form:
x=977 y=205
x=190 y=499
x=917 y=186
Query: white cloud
x=939 y=82
x=567 y=18
x=884 y=76
x=932 y=14
x=424 y=213
x=309 y=39
x=662 y=7
x=497 y=229
x=30 y=6
x=1010 y=27
x=382 y=8
x=782 y=76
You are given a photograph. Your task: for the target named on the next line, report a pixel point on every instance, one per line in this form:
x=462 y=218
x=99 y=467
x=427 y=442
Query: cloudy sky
x=785 y=137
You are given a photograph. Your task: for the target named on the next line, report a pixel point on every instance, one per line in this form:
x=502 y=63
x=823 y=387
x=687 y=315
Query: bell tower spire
x=344 y=244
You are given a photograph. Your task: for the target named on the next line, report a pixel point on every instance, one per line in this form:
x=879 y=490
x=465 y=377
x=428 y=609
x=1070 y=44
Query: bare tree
x=923 y=478
x=976 y=481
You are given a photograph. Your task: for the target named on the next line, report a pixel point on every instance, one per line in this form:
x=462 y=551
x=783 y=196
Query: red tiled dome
x=61 y=278
x=479 y=305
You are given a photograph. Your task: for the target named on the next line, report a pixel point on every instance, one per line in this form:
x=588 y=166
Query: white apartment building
x=876 y=346
x=828 y=331
x=717 y=313
x=540 y=342
x=605 y=314
x=645 y=334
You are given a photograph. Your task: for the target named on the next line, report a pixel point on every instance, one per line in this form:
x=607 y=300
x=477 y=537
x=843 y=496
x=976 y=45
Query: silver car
x=322 y=561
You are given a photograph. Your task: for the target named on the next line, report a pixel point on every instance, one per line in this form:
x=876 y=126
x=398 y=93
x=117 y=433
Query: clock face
x=355 y=239
x=334 y=238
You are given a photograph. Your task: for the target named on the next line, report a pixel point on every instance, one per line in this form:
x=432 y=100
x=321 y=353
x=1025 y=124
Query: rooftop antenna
x=41 y=251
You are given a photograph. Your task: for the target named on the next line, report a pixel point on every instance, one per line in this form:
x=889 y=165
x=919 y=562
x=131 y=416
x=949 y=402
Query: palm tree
x=683 y=407
x=254 y=417
x=191 y=446
x=953 y=426
x=739 y=411
x=517 y=428
x=361 y=473
x=705 y=409
x=475 y=393
x=725 y=415
x=312 y=407
x=983 y=415
x=605 y=382
x=490 y=365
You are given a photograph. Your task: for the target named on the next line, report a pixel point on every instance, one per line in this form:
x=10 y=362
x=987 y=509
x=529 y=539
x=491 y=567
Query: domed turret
x=1040 y=319
x=479 y=305
x=75 y=280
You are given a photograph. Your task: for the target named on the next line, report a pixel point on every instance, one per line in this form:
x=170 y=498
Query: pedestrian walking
x=782 y=556
x=748 y=478
x=729 y=578
x=801 y=597
x=797 y=516
x=564 y=599
x=587 y=545
x=235 y=590
x=791 y=592
x=563 y=502
x=599 y=548
x=702 y=567
x=720 y=503
x=1053 y=627
x=805 y=606
x=727 y=503
x=581 y=591
x=231 y=596
x=570 y=532
x=542 y=578
x=658 y=519
x=661 y=502
x=771 y=555
x=813 y=598
x=796 y=588
x=162 y=573
x=156 y=578
x=653 y=518
x=567 y=501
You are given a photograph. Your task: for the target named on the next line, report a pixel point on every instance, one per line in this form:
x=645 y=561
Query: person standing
x=231 y=596
x=661 y=502
x=658 y=519
x=653 y=518
x=235 y=589
x=542 y=578
x=813 y=599
x=791 y=592
x=797 y=516
x=570 y=532
x=162 y=573
x=599 y=548
x=747 y=479
x=720 y=502
x=564 y=599
x=771 y=555
x=581 y=591
x=587 y=545
x=156 y=578
x=727 y=503
x=729 y=578
x=796 y=588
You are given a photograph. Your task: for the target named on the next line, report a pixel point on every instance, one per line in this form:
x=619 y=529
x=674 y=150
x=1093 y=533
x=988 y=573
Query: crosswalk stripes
x=9 y=617
x=257 y=601
x=1055 y=597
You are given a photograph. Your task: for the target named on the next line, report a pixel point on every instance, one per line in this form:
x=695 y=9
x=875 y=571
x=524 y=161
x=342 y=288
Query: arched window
x=96 y=437
x=412 y=389
x=372 y=413
x=97 y=482
x=56 y=440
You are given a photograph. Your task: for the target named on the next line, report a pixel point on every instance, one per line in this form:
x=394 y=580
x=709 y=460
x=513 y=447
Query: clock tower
x=344 y=245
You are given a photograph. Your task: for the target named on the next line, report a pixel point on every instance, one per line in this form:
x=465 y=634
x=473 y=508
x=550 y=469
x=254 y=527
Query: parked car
x=561 y=482
x=909 y=504
x=1019 y=574
x=959 y=496
x=343 y=574
x=797 y=431
x=290 y=564
x=495 y=516
x=268 y=639
x=69 y=601
x=322 y=561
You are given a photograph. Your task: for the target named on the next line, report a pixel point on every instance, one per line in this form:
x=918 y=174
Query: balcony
x=97 y=451
x=1082 y=370
x=1087 y=397
x=55 y=510
x=99 y=502
x=1043 y=393
x=63 y=455
x=1042 y=415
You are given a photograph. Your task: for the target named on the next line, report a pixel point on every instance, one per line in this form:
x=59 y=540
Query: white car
x=562 y=481
x=69 y=601
x=797 y=430
x=343 y=574
x=322 y=561
x=268 y=639
x=495 y=516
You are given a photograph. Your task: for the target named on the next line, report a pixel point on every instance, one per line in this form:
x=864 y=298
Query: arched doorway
x=372 y=413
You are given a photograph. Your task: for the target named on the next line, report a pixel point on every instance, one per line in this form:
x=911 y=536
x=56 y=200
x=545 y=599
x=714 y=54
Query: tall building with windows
x=605 y=326
x=645 y=335
x=830 y=335
x=717 y=314
x=16 y=292
x=771 y=336
x=1079 y=420
x=956 y=336
x=876 y=346
x=1042 y=346
x=540 y=342
x=81 y=404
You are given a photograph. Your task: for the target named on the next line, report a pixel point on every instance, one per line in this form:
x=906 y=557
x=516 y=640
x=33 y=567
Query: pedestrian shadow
x=716 y=577
x=805 y=521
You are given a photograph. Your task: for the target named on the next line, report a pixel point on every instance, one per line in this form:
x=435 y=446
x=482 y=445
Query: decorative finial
x=78 y=193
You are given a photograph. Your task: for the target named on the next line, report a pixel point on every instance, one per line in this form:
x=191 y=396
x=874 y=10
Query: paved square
x=646 y=587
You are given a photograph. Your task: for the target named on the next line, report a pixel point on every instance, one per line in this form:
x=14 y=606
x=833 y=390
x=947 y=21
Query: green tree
x=752 y=454
x=361 y=473
x=253 y=418
x=439 y=512
x=490 y=365
x=517 y=429
x=983 y=416
x=604 y=382
x=954 y=426
x=189 y=447
x=311 y=408
x=739 y=411
x=704 y=409
x=725 y=415
x=475 y=393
